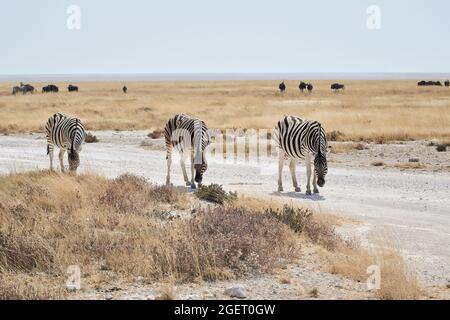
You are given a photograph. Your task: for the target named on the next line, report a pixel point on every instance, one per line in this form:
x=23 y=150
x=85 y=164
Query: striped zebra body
x=299 y=139
x=189 y=136
x=67 y=134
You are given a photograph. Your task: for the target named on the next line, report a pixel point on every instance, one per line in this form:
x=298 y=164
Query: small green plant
x=295 y=218
x=90 y=138
x=215 y=193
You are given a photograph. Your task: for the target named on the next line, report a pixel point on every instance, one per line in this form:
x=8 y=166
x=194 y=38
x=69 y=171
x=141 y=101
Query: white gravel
x=413 y=208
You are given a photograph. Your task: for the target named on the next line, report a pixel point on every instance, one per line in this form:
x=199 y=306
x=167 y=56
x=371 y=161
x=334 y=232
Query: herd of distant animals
x=337 y=86
x=28 y=88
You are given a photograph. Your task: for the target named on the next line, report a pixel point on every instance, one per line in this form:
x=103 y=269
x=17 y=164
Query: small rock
x=413 y=160
x=108 y=297
x=236 y=292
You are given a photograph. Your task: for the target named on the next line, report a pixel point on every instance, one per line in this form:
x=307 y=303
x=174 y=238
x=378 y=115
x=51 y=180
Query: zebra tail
x=48 y=149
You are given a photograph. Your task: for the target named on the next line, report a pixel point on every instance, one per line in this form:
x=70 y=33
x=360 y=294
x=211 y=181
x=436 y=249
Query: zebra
x=187 y=135
x=302 y=139
x=66 y=133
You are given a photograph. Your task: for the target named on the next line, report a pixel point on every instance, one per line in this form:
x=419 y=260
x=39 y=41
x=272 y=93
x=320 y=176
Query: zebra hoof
x=280 y=189
x=193 y=186
x=308 y=192
x=316 y=190
x=297 y=189
x=188 y=184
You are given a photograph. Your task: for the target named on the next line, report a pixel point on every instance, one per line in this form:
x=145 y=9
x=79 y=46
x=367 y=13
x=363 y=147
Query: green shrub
x=295 y=218
x=215 y=193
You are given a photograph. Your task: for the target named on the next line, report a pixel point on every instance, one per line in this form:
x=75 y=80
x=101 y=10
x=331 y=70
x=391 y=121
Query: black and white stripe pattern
x=67 y=134
x=302 y=139
x=189 y=136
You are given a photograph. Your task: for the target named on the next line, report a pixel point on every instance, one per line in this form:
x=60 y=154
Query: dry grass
x=368 y=110
x=408 y=165
x=49 y=221
x=398 y=282
x=346 y=147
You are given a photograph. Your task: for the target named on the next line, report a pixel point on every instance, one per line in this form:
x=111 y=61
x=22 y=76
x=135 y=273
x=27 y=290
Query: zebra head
x=320 y=160
x=320 y=168
x=200 y=169
x=74 y=160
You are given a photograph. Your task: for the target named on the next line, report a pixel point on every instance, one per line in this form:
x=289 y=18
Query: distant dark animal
x=282 y=87
x=124 y=89
x=429 y=83
x=72 y=88
x=28 y=88
x=24 y=88
x=337 y=86
x=50 y=88
x=447 y=83
x=309 y=87
x=17 y=89
x=302 y=86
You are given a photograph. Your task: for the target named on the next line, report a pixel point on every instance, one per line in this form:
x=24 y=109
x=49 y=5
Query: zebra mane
x=320 y=138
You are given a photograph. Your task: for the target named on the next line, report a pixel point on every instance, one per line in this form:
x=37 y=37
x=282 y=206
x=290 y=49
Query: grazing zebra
x=189 y=136
x=67 y=134
x=302 y=139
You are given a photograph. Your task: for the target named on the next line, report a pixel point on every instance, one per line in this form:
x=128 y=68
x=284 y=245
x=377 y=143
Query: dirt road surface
x=410 y=208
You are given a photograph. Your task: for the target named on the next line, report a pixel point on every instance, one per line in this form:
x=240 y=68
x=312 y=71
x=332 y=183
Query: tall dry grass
x=367 y=110
x=50 y=221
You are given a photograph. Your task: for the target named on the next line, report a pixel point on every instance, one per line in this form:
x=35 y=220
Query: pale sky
x=227 y=36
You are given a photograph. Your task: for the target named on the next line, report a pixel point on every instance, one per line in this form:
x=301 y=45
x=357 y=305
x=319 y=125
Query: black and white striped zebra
x=66 y=133
x=302 y=139
x=189 y=136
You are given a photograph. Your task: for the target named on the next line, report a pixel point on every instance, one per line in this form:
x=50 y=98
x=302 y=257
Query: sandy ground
x=410 y=207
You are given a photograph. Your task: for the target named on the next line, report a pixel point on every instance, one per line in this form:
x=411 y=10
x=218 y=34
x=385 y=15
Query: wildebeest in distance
x=337 y=86
x=50 y=88
x=309 y=87
x=124 y=89
x=282 y=87
x=24 y=88
x=72 y=88
x=424 y=83
x=302 y=86
x=447 y=83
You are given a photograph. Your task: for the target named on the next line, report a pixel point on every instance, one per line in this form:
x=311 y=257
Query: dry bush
x=442 y=147
x=49 y=221
x=301 y=220
x=90 y=138
x=26 y=287
x=156 y=134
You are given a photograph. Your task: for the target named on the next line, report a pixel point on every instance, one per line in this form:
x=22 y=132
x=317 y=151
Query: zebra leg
x=280 y=170
x=183 y=168
x=193 y=186
x=50 y=154
x=292 y=165
x=169 y=163
x=316 y=190
x=61 y=159
x=308 y=174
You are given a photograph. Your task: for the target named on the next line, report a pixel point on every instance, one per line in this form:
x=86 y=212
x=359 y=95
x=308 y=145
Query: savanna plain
x=385 y=203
